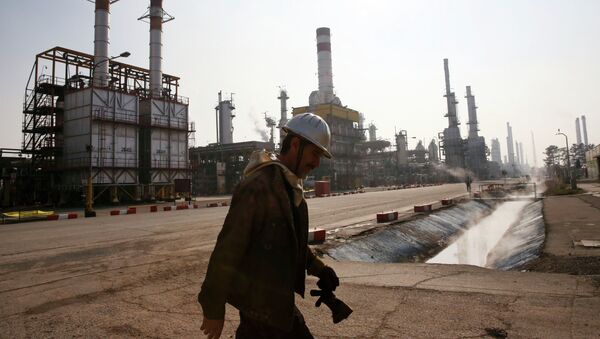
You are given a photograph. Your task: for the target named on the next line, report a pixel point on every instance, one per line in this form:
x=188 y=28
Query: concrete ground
x=138 y=276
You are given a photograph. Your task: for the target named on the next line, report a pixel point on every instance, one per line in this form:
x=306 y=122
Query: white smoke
x=456 y=172
x=260 y=128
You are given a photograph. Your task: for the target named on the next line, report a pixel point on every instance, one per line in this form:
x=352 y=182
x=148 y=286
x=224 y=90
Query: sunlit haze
x=531 y=63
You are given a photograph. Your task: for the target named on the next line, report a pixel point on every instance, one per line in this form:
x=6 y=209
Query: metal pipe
x=450 y=98
x=473 y=124
x=101 y=43
x=447 y=76
x=156 y=21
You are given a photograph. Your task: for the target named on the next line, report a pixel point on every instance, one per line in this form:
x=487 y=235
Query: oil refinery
x=98 y=130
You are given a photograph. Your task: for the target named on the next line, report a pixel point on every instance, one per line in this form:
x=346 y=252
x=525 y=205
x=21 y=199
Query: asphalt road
x=138 y=276
x=47 y=265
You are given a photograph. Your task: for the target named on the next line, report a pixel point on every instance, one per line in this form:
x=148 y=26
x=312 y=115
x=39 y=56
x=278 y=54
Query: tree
x=578 y=155
x=551 y=153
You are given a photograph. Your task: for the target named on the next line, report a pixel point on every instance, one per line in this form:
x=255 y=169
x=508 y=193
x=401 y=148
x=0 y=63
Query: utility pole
x=571 y=176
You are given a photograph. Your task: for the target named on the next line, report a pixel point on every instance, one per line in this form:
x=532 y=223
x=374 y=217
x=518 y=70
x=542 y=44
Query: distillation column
x=453 y=143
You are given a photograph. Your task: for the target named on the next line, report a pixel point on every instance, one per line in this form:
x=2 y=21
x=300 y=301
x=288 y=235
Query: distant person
x=262 y=256
x=468 y=182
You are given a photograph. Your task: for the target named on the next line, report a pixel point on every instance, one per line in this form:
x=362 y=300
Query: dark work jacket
x=261 y=253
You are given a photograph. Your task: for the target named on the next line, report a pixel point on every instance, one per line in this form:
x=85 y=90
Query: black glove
x=339 y=309
x=328 y=280
x=323 y=295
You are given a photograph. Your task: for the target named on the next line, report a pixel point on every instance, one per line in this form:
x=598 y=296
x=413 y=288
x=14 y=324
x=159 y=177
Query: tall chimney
x=522 y=154
x=283 y=118
x=577 y=131
x=450 y=98
x=509 y=145
x=156 y=21
x=583 y=125
x=324 y=65
x=533 y=145
x=101 y=42
x=473 y=125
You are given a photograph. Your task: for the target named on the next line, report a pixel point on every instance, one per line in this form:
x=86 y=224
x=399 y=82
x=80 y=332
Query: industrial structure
x=225 y=115
x=496 y=153
x=217 y=168
x=433 y=152
x=112 y=132
x=283 y=113
x=108 y=129
x=579 y=129
x=476 y=157
x=533 y=148
x=452 y=144
x=585 y=135
x=345 y=169
x=510 y=145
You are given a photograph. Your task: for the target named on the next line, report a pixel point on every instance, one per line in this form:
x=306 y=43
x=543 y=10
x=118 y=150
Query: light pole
x=89 y=195
x=571 y=176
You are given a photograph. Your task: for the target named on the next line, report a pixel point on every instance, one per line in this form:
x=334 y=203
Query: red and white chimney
x=324 y=65
x=101 y=42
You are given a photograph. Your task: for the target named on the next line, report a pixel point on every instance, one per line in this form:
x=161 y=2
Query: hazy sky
x=535 y=64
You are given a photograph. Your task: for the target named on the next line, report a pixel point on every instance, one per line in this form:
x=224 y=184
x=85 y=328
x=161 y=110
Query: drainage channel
x=495 y=234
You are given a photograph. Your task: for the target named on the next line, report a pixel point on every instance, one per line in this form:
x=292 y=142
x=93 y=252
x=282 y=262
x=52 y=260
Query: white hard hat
x=312 y=128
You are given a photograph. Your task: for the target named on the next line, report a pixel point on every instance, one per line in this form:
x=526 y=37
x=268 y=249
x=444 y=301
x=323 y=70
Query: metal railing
x=103 y=114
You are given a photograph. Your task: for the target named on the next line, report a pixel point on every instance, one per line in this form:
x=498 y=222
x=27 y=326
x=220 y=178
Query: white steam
x=456 y=172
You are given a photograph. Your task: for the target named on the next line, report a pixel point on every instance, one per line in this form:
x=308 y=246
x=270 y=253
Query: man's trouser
x=253 y=329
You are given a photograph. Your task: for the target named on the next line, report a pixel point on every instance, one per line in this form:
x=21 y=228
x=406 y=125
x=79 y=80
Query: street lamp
x=571 y=176
x=89 y=195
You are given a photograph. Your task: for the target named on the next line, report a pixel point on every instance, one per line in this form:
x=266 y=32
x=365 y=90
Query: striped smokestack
x=324 y=64
x=101 y=42
x=156 y=21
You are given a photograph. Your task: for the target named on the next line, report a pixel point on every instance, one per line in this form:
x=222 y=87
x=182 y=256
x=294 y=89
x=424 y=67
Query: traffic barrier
x=167 y=208
x=154 y=208
x=387 y=216
x=423 y=208
x=212 y=204
x=447 y=202
x=130 y=210
x=316 y=235
x=62 y=216
x=224 y=203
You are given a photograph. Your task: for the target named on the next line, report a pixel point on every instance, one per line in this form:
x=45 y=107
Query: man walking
x=261 y=256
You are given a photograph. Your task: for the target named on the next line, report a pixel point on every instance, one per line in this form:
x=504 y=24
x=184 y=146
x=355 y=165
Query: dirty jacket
x=261 y=253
